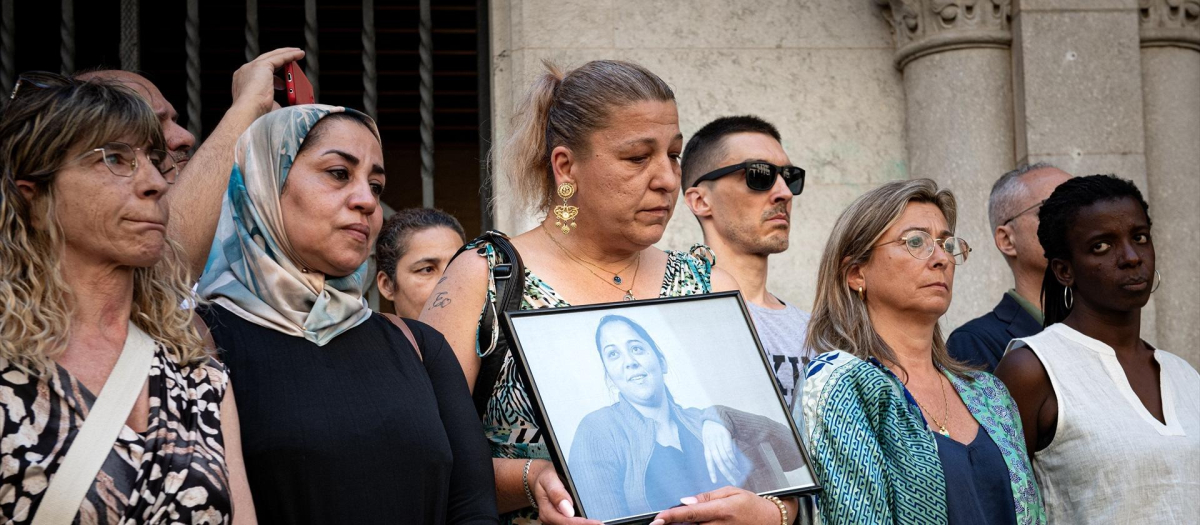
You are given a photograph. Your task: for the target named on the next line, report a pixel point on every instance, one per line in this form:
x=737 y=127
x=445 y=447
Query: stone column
x=1170 y=50
x=1077 y=79
x=956 y=60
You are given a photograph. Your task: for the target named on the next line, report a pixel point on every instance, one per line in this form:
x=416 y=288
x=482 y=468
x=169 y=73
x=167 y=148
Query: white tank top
x=1111 y=461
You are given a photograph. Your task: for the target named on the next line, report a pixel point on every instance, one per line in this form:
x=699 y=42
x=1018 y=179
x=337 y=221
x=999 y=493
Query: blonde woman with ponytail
x=85 y=264
x=899 y=432
x=595 y=153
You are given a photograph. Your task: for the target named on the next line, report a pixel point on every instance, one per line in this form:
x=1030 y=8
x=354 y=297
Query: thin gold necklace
x=616 y=277
x=945 y=408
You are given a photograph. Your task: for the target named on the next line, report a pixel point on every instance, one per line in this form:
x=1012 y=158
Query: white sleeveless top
x=1111 y=461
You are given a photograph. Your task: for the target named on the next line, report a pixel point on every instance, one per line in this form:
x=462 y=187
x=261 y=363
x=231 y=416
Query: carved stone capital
x=1170 y=23
x=923 y=27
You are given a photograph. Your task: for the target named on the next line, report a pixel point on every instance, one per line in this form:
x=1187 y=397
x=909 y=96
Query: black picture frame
x=531 y=335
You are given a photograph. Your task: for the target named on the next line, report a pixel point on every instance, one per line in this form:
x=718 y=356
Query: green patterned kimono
x=875 y=455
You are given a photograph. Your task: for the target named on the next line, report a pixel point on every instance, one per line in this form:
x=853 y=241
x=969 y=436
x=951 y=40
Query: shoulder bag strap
x=396 y=320
x=509 y=276
x=96 y=437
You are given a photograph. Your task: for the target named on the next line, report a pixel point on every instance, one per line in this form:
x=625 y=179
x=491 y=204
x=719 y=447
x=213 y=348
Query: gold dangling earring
x=860 y=294
x=565 y=213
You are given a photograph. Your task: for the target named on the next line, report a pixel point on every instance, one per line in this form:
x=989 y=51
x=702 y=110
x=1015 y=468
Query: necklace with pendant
x=945 y=410
x=616 y=280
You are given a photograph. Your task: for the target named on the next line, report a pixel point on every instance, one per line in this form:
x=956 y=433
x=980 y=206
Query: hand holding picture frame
x=646 y=402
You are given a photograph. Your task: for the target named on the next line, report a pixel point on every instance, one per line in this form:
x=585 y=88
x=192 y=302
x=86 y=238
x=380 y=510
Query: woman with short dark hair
x=1112 y=423
x=412 y=252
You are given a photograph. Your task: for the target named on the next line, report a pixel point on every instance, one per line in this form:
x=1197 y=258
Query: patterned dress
x=173 y=472
x=875 y=455
x=508 y=421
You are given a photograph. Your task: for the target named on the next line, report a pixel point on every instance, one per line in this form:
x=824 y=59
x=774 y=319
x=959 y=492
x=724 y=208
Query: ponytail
x=524 y=157
x=564 y=110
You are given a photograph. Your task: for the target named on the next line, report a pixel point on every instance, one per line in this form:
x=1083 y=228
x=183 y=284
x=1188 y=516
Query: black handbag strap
x=509 y=276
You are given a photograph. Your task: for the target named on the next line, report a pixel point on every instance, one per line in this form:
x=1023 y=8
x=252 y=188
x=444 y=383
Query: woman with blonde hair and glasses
x=91 y=324
x=596 y=150
x=899 y=432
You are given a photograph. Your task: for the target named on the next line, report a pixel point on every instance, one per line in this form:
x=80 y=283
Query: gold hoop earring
x=860 y=294
x=1068 y=297
x=1157 y=284
x=564 y=212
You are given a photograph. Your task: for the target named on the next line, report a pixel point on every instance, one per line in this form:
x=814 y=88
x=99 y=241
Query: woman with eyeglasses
x=1112 y=423
x=898 y=431
x=596 y=150
x=91 y=324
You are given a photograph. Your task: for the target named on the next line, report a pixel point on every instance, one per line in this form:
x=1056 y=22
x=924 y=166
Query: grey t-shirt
x=782 y=334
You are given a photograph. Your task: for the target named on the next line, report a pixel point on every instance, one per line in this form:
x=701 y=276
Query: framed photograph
x=645 y=402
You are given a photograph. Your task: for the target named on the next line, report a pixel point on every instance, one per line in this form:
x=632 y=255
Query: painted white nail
x=566 y=509
x=689 y=500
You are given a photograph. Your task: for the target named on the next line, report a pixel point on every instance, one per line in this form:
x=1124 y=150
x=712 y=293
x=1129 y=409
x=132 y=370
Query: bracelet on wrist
x=783 y=512
x=525 y=482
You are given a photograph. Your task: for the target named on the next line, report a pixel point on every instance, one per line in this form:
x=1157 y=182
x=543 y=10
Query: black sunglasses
x=760 y=175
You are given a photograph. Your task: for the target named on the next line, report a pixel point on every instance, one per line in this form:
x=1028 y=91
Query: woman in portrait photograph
x=645 y=452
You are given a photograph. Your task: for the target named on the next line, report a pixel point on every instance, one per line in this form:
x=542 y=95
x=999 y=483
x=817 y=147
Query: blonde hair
x=44 y=124
x=840 y=320
x=564 y=110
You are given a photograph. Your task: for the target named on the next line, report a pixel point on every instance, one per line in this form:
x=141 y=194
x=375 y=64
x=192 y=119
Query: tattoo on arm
x=440 y=300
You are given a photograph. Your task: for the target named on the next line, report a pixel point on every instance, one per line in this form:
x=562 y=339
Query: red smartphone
x=299 y=90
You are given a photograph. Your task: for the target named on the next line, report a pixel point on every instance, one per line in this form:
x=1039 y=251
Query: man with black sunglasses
x=1013 y=207
x=739 y=183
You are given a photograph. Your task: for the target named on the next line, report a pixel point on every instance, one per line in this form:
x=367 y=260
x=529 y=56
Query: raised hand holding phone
x=299 y=89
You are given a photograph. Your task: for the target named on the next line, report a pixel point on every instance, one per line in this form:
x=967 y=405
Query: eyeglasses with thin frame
x=920 y=245
x=760 y=175
x=122 y=160
x=1023 y=212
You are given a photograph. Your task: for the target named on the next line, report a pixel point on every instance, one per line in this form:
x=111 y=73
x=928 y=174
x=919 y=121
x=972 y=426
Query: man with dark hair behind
x=1013 y=207
x=739 y=183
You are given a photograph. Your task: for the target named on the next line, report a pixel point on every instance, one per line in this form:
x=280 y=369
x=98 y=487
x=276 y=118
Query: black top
x=978 y=491
x=982 y=341
x=677 y=472
x=356 y=431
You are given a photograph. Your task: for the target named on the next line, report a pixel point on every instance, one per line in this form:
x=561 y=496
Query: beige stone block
x=1075 y=5
x=746 y=24
x=1131 y=166
x=841 y=118
x=1078 y=83
x=1171 y=82
x=565 y=24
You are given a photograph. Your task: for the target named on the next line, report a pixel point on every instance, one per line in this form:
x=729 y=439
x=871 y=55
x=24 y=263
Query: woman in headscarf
x=345 y=421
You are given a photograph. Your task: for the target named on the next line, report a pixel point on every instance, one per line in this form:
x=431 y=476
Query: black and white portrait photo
x=650 y=403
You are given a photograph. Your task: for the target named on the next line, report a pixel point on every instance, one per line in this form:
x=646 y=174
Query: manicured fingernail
x=658 y=522
x=566 y=509
x=688 y=500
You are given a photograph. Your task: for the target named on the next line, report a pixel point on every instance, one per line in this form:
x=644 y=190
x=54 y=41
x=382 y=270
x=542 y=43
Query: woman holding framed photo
x=898 y=431
x=597 y=151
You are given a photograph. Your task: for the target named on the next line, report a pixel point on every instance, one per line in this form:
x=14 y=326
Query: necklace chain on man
x=616 y=280
x=945 y=412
